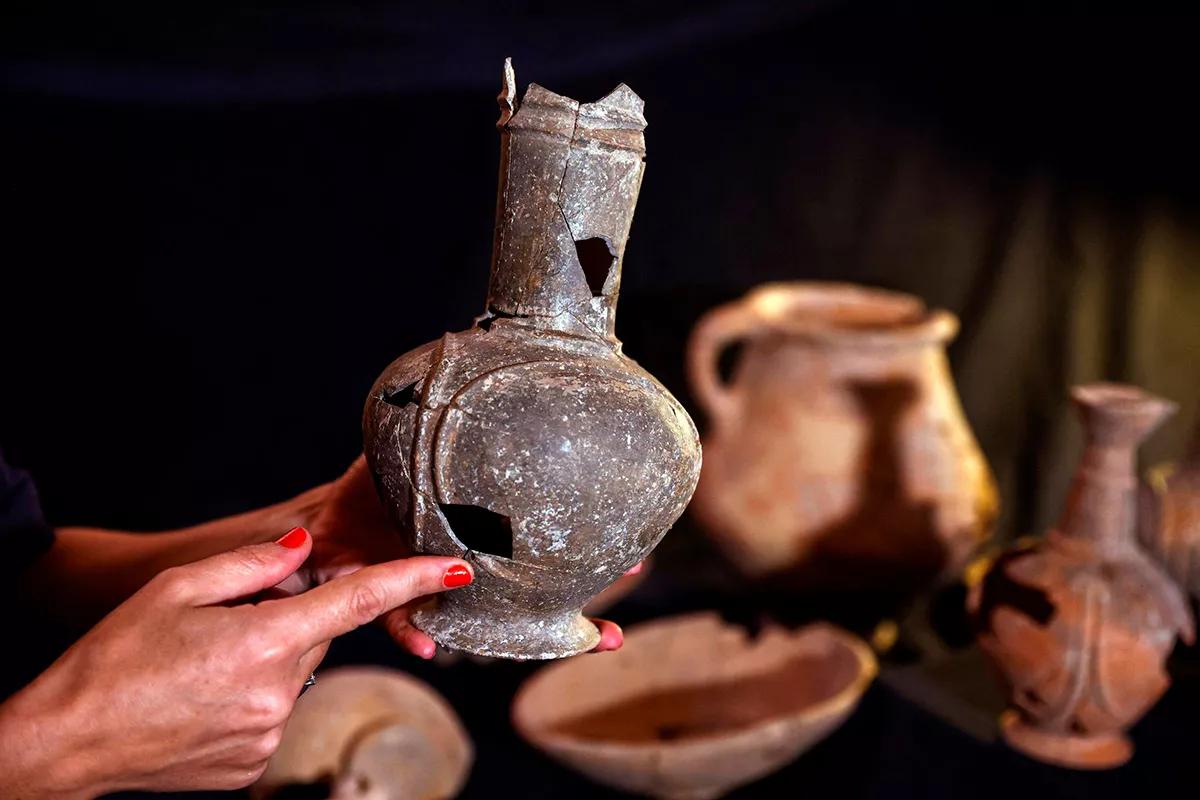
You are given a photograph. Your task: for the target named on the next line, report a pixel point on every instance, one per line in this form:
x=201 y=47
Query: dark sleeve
x=24 y=534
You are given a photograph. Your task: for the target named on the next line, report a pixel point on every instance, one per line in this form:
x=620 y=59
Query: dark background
x=223 y=223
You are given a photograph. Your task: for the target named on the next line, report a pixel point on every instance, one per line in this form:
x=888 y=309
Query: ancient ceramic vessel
x=692 y=707
x=838 y=453
x=1081 y=623
x=368 y=733
x=529 y=444
x=1169 y=518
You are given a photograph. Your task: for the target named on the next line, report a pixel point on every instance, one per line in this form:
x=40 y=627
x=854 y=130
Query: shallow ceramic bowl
x=692 y=707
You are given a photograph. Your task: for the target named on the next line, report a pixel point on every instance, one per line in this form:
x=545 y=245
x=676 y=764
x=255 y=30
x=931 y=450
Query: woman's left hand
x=351 y=530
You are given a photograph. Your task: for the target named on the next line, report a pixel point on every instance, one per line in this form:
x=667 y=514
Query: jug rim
x=833 y=312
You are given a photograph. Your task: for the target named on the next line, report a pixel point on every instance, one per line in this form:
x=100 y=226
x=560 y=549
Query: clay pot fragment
x=530 y=444
x=369 y=733
x=1169 y=519
x=692 y=707
x=837 y=455
x=1081 y=623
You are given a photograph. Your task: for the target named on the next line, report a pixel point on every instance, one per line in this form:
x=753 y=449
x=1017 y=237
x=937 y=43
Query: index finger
x=343 y=604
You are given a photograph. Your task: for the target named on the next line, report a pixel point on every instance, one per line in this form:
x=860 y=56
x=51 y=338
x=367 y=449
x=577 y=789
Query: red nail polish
x=293 y=538
x=457 y=576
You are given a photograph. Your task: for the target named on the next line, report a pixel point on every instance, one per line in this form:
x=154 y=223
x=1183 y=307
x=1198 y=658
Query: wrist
x=41 y=752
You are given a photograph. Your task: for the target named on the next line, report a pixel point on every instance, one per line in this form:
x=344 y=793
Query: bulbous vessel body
x=530 y=444
x=1081 y=623
x=837 y=455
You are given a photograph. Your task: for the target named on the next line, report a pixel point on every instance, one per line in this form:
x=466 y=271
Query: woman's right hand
x=183 y=687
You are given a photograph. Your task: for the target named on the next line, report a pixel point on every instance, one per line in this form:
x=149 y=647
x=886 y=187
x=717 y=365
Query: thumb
x=244 y=571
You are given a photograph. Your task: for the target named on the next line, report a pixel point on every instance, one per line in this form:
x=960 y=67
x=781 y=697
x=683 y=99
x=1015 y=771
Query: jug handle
x=717 y=330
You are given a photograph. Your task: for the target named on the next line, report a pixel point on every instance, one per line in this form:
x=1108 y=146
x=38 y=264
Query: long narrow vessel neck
x=1101 y=503
x=570 y=174
x=1116 y=419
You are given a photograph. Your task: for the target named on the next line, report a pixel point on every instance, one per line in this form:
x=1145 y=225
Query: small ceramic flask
x=1081 y=623
x=529 y=444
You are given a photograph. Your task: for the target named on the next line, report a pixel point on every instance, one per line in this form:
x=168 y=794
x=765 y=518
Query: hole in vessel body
x=480 y=529
x=1001 y=589
x=597 y=260
x=405 y=395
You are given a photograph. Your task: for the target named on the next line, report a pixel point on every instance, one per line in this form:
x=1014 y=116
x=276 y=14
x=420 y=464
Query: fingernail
x=293 y=538
x=456 y=576
x=635 y=569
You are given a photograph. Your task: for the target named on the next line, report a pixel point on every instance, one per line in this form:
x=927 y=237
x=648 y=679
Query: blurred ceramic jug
x=838 y=454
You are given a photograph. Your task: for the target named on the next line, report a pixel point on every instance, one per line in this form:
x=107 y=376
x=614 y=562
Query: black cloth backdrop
x=223 y=224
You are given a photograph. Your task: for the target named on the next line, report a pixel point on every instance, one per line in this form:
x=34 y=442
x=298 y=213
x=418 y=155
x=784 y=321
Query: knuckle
x=269 y=709
x=261 y=648
x=172 y=584
x=265 y=745
x=251 y=559
x=366 y=603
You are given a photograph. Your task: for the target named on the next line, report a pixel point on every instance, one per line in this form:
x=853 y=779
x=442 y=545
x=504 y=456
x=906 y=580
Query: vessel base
x=1103 y=751
x=521 y=638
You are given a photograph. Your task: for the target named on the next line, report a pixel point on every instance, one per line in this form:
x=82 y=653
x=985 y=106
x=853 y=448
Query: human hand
x=186 y=685
x=351 y=530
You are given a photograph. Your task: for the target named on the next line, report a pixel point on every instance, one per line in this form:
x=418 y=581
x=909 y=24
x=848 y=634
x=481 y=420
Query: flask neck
x=569 y=180
x=1116 y=419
